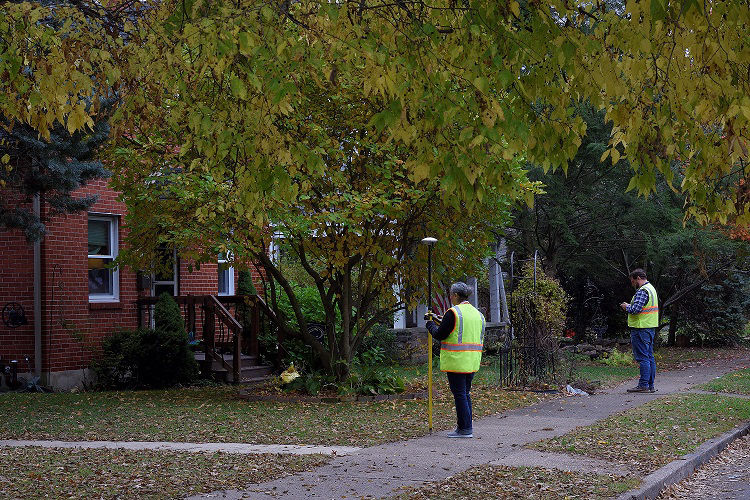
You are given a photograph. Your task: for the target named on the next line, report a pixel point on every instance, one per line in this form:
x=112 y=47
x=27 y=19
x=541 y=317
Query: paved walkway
x=241 y=448
x=380 y=471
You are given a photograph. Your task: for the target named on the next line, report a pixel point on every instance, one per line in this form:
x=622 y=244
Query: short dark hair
x=461 y=289
x=638 y=273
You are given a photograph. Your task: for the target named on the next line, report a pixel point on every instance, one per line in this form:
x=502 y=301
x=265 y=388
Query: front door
x=167 y=279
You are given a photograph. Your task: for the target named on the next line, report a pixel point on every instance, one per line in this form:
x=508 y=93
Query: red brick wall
x=72 y=327
x=17 y=285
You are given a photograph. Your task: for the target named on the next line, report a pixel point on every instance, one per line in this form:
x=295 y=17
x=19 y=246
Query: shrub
x=167 y=315
x=294 y=350
x=164 y=359
x=245 y=285
x=310 y=304
x=618 y=358
x=114 y=368
x=716 y=313
x=145 y=358
x=380 y=338
x=311 y=383
x=370 y=380
x=548 y=298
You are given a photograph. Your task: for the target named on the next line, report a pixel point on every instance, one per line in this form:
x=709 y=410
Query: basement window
x=103 y=244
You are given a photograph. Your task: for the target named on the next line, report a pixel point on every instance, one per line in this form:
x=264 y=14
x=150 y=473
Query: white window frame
x=175 y=281
x=230 y=276
x=113 y=221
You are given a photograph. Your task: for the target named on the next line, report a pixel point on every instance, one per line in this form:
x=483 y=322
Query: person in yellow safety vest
x=643 y=319
x=461 y=336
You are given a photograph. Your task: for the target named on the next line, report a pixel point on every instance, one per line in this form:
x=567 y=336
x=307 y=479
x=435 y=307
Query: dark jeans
x=460 y=384
x=642 y=340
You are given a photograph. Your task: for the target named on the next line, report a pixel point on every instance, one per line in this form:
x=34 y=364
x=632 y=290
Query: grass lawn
x=654 y=434
x=667 y=358
x=214 y=414
x=676 y=358
x=64 y=473
x=737 y=382
x=522 y=482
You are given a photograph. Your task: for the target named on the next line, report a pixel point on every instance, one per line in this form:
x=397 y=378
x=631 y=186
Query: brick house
x=81 y=300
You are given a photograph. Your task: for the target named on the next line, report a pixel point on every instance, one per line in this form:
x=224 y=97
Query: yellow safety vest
x=461 y=352
x=649 y=316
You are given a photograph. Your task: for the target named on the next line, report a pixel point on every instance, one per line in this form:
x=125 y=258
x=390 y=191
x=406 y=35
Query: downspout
x=37 y=295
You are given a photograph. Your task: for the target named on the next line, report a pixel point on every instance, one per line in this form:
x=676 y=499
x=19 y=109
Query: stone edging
x=679 y=469
x=287 y=398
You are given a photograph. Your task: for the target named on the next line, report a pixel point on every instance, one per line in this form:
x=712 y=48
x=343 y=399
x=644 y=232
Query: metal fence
x=523 y=354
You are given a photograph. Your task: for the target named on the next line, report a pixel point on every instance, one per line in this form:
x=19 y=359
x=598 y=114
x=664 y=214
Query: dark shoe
x=652 y=389
x=639 y=388
x=460 y=434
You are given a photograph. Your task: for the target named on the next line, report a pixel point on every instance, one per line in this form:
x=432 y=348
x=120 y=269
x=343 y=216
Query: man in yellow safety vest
x=643 y=319
x=461 y=336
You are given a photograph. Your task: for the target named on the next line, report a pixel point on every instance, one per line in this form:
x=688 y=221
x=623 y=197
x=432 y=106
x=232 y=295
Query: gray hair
x=461 y=289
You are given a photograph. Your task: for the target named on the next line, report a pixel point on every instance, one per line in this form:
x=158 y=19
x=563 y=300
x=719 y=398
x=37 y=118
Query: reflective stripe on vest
x=649 y=315
x=459 y=323
x=460 y=347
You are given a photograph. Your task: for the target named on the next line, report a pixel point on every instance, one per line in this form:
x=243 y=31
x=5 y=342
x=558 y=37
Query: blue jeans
x=642 y=340
x=460 y=384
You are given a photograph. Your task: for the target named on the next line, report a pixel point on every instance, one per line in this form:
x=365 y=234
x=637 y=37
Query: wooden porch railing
x=215 y=311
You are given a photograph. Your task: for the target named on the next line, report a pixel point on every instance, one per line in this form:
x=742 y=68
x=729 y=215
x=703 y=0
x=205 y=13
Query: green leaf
x=238 y=88
x=658 y=13
x=482 y=83
x=505 y=77
x=245 y=46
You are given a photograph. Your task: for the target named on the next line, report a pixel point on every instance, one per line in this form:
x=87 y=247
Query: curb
x=679 y=469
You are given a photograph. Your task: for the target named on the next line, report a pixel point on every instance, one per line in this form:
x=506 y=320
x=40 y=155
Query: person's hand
x=432 y=317
x=624 y=306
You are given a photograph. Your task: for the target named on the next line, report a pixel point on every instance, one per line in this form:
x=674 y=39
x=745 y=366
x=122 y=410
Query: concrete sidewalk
x=380 y=471
x=238 y=448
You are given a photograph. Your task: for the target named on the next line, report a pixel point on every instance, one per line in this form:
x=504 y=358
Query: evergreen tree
x=52 y=169
x=167 y=315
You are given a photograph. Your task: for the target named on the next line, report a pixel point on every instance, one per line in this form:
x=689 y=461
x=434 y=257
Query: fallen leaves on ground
x=677 y=358
x=724 y=476
x=488 y=481
x=215 y=414
x=652 y=435
x=34 y=472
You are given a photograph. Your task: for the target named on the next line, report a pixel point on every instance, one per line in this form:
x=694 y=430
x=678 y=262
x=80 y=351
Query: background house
x=82 y=300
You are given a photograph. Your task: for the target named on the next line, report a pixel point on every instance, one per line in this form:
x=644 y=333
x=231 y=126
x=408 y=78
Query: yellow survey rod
x=429 y=241
x=437 y=319
x=429 y=381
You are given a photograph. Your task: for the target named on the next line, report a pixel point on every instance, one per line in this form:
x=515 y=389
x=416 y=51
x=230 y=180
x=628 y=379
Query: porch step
x=250 y=371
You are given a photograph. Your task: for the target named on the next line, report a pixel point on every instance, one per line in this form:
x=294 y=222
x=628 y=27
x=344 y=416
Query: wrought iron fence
x=525 y=353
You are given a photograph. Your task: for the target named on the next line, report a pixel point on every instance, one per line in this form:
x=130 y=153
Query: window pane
x=166 y=264
x=161 y=288
x=99 y=243
x=100 y=277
